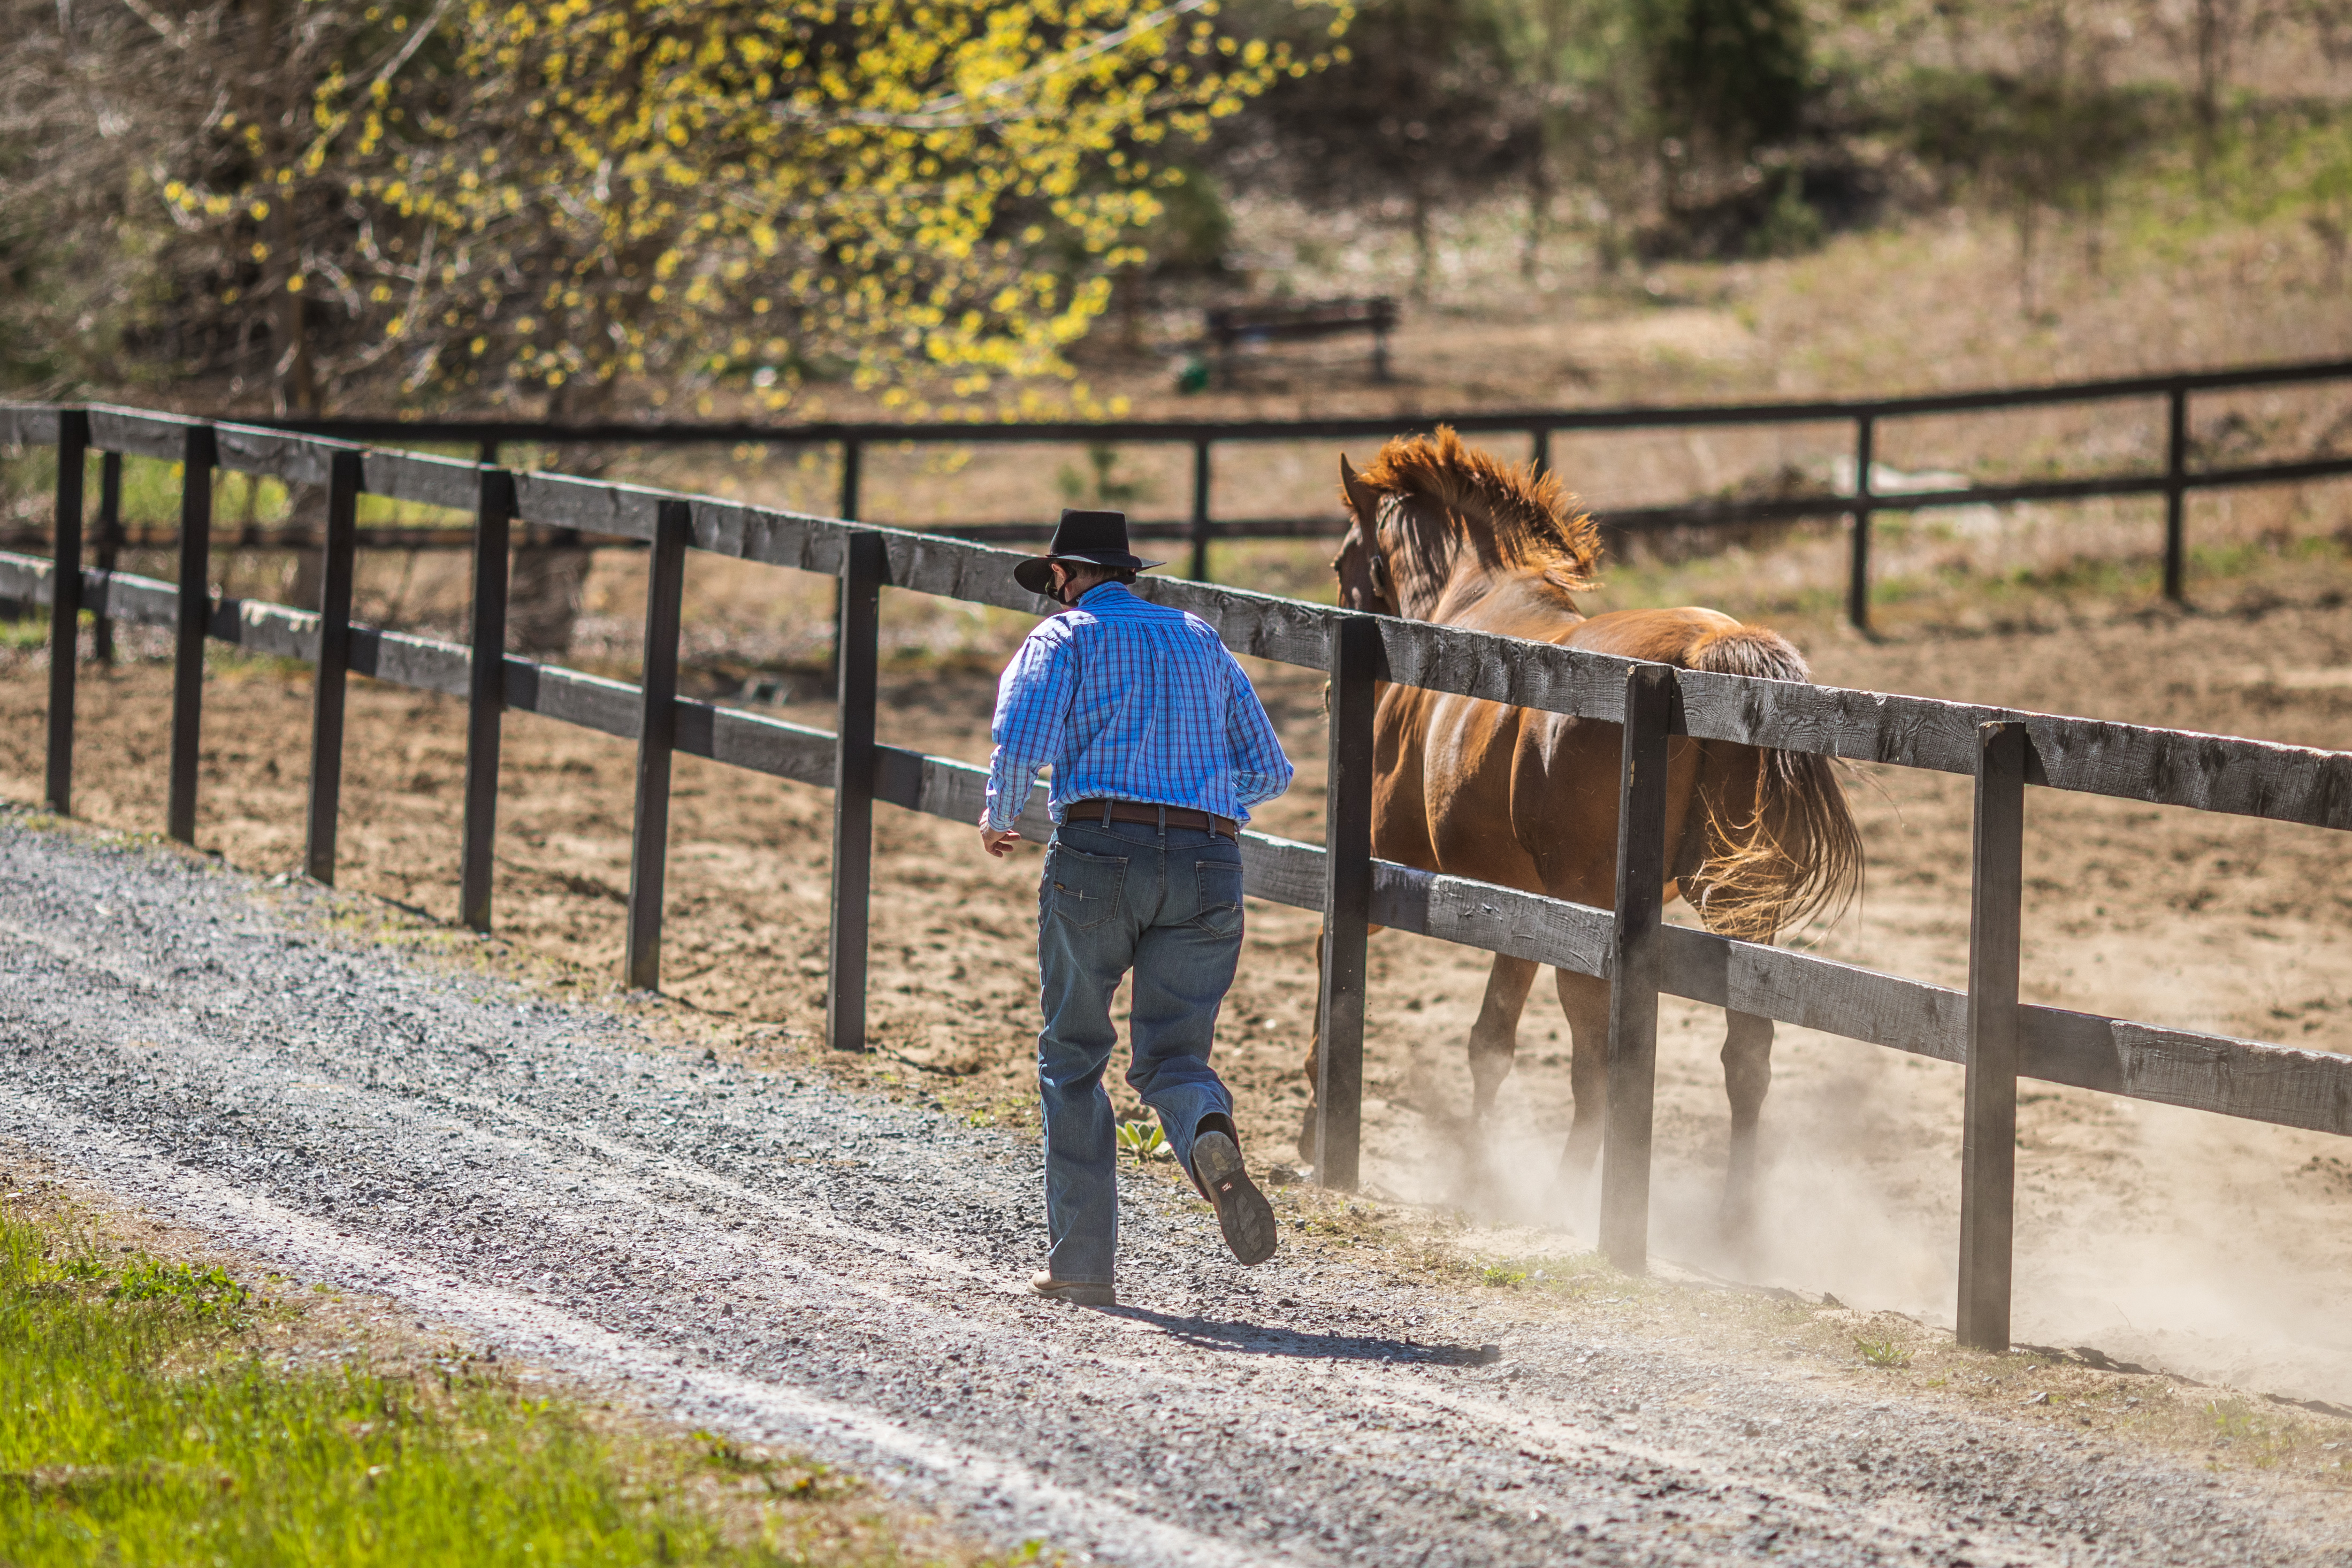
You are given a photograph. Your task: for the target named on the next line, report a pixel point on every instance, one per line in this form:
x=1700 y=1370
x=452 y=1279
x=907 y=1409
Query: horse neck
x=1441 y=584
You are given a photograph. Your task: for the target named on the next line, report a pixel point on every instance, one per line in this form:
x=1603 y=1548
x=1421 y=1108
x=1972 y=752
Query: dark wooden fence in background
x=1984 y=1028
x=1867 y=416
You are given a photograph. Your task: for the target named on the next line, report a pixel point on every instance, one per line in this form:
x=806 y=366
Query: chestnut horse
x=1760 y=840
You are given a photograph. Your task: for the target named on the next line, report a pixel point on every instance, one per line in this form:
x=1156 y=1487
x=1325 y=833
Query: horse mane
x=1519 y=517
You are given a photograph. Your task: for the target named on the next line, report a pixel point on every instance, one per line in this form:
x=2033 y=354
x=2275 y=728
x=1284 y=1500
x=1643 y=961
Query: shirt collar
x=1102 y=587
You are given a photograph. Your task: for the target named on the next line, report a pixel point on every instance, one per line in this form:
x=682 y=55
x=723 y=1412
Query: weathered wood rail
x=1984 y=1028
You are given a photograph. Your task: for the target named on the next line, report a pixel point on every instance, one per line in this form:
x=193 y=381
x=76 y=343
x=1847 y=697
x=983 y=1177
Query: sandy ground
x=2214 y=1248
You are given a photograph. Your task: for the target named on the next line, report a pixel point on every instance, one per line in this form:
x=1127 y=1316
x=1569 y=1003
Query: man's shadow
x=1258 y=1339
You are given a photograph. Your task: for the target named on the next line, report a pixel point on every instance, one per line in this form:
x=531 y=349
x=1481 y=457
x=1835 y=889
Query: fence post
x=1988 y=1137
x=657 y=737
x=1651 y=697
x=1355 y=661
x=2176 y=492
x=864 y=565
x=486 y=694
x=1857 y=588
x=110 y=542
x=1539 y=449
x=486 y=454
x=196 y=605
x=1199 y=572
x=65 y=605
x=328 y=684
x=853 y=463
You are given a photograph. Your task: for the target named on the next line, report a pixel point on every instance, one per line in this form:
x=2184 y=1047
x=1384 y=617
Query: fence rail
x=1982 y=1027
x=2175 y=481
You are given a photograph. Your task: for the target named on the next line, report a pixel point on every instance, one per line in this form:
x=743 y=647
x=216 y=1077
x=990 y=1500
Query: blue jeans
x=1167 y=904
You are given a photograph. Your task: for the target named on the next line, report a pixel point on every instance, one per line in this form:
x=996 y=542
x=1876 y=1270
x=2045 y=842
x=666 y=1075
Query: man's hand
x=996 y=842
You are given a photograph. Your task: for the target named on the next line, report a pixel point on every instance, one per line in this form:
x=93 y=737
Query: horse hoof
x=1310 y=1149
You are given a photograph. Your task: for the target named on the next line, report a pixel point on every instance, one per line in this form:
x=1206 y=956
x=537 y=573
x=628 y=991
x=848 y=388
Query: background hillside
x=1867 y=196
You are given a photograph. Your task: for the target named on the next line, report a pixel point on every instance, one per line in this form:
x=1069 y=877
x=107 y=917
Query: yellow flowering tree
x=491 y=198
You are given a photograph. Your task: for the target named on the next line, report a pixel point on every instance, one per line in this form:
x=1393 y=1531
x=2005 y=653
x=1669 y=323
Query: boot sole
x=1243 y=1212
x=1076 y=1294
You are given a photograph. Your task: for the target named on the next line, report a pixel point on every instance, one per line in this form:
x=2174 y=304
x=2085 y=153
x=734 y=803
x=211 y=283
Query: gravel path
x=809 y=1267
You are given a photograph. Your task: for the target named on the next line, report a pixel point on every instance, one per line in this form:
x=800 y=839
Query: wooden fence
x=1869 y=417
x=1984 y=1028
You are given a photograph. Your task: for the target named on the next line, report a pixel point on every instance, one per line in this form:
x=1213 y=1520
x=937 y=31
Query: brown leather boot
x=1078 y=1292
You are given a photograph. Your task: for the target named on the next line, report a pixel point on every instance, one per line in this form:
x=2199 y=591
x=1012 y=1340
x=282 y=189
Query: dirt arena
x=2213 y=1247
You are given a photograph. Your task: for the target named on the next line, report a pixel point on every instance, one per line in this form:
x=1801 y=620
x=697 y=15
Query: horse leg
x=1585 y=1001
x=1747 y=1074
x=1494 y=1037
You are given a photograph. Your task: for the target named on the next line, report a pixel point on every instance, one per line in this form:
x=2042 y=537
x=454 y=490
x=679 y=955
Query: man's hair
x=1118 y=574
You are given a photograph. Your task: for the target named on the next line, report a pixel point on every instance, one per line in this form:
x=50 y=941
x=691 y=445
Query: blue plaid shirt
x=1130 y=701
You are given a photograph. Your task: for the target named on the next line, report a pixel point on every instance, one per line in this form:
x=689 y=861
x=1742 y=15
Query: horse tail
x=1773 y=843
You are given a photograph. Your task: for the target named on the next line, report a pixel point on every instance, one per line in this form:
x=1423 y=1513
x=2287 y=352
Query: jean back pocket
x=1082 y=890
x=1219 y=882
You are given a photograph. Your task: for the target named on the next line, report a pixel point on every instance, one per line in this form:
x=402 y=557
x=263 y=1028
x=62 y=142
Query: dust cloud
x=2193 y=1244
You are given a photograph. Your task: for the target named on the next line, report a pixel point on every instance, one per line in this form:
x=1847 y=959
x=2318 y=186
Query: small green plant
x=1545 y=1271
x=725 y=1453
x=206 y=1293
x=1144 y=1140
x=1881 y=1350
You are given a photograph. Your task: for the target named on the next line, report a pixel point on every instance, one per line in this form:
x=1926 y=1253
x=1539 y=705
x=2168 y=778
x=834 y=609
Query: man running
x=1159 y=747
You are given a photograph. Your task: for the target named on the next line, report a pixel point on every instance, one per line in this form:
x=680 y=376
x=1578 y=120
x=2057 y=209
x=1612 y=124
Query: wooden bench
x=1231 y=326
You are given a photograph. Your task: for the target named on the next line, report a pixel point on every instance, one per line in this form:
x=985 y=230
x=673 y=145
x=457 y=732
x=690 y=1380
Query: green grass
x=31 y=632
x=227 y=659
x=140 y=1422
x=1580 y=1272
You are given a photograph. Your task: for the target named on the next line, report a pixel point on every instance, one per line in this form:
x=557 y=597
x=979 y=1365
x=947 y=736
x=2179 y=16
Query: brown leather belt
x=1151 y=816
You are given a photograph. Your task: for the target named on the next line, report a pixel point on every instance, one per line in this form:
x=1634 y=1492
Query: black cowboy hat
x=1099 y=539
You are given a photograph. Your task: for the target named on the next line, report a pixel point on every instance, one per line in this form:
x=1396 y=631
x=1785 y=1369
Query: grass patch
x=141 y=1423
x=2255 y=1437
x=228 y=662
x=1578 y=1271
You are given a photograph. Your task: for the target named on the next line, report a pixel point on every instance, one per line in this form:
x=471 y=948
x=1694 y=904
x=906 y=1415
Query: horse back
x=1527 y=799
